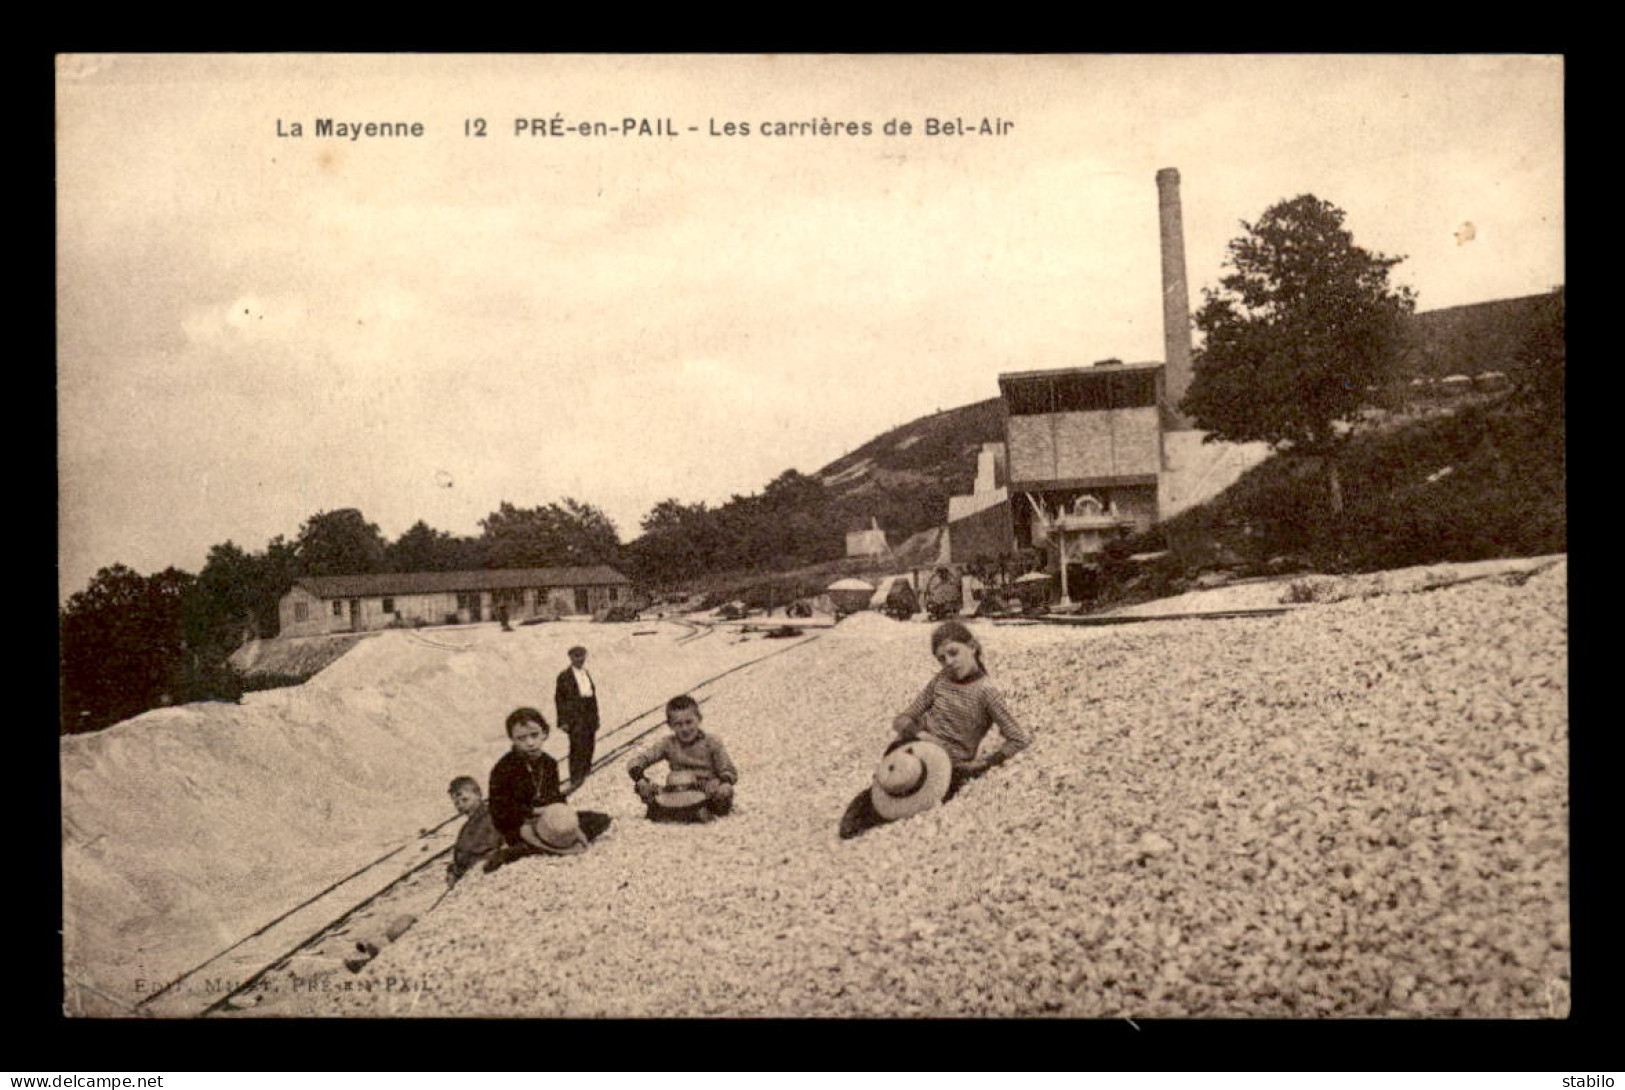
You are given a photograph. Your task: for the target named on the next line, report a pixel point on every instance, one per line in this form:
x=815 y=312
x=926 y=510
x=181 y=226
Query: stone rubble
x=1357 y=809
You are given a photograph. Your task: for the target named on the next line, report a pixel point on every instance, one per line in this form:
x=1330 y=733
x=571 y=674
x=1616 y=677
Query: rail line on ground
x=315 y=937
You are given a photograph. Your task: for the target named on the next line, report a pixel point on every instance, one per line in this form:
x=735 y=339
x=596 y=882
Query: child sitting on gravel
x=524 y=784
x=478 y=837
x=689 y=750
x=950 y=717
x=477 y=840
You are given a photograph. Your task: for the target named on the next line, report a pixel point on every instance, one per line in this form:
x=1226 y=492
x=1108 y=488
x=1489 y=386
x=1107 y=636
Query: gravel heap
x=184 y=829
x=1356 y=809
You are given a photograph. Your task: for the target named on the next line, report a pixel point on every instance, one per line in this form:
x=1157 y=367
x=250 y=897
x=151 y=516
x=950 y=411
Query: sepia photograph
x=812 y=536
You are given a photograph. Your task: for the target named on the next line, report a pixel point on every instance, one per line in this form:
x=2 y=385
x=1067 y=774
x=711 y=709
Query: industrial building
x=870 y=541
x=317 y=605
x=979 y=525
x=1099 y=452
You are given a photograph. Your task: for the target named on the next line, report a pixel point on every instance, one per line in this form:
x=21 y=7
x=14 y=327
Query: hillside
x=1455 y=475
x=904 y=476
x=1483 y=480
x=1472 y=339
x=940 y=446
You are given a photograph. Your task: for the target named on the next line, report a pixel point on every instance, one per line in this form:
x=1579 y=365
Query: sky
x=254 y=327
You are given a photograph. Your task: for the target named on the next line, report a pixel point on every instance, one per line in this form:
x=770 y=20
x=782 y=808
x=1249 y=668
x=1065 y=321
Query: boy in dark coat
x=524 y=781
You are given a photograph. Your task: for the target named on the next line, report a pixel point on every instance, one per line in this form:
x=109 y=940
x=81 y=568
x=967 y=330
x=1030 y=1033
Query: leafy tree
x=678 y=542
x=228 y=601
x=340 y=542
x=794 y=491
x=421 y=548
x=123 y=646
x=279 y=567
x=564 y=534
x=1299 y=336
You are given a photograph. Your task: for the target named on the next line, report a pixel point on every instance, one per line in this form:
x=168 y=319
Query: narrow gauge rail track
x=695 y=631
x=168 y=1002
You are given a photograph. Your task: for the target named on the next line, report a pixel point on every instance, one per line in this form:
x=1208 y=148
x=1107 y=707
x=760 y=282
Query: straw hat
x=555 y=830
x=682 y=789
x=911 y=778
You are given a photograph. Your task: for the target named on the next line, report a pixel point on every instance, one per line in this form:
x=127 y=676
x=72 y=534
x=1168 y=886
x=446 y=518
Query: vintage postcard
x=816 y=536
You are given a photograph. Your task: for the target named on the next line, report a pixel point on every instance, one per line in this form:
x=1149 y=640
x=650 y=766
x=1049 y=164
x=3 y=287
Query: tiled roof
x=444 y=582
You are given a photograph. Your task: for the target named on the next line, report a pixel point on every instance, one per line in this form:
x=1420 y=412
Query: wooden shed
x=315 y=605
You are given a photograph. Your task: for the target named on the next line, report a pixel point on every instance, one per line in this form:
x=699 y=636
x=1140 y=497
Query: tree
x=570 y=534
x=421 y=548
x=228 y=600
x=1299 y=337
x=340 y=542
x=123 y=646
x=678 y=542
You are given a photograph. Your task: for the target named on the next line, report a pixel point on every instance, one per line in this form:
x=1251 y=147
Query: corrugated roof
x=446 y=582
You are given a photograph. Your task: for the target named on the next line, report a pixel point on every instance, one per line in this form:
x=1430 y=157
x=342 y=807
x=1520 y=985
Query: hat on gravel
x=682 y=789
x=555 y=830
x=911 y=778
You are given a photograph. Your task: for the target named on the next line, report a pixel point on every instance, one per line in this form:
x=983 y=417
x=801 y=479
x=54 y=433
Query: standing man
x=575 y=698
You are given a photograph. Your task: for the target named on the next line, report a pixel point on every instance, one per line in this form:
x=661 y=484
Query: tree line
x=130 y=642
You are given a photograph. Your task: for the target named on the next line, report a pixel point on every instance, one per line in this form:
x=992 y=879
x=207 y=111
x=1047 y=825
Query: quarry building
x=317 y=605
x=870 y=541
x=1098 y=452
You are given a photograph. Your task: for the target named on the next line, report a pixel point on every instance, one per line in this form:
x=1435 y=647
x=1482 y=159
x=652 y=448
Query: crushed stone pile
x=1301 y=589
x=1352 y=810
x=1414 y=580
x=186 y=828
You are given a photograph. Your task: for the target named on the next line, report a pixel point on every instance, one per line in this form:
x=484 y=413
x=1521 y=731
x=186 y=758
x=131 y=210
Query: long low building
x=317 y=605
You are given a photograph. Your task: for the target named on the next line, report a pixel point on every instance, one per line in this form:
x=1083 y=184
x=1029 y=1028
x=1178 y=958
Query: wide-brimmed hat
x=682 y=788
x=910 y=779
x=555 y=830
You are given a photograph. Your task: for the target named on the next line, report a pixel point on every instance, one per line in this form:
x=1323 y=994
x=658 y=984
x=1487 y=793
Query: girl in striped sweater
x=955 y=710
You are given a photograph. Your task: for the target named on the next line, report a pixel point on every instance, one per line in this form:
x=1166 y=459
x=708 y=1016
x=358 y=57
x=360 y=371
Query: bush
x=1505 y=495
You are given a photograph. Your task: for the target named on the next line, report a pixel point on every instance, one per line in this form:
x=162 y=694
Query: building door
x=355 y=615
x=583 y=601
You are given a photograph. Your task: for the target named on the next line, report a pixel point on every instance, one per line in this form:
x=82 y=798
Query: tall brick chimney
x=1176 y=304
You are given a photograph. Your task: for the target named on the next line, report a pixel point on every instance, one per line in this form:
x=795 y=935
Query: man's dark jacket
x=575 y=712
x=517 y=788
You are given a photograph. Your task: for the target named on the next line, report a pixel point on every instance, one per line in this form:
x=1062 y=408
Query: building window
x=389 y=605
x=614 y=594
x=301 y=611
x=1080 y=393
x=338 y=609
x=1134 y=390
x=1030 y=398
